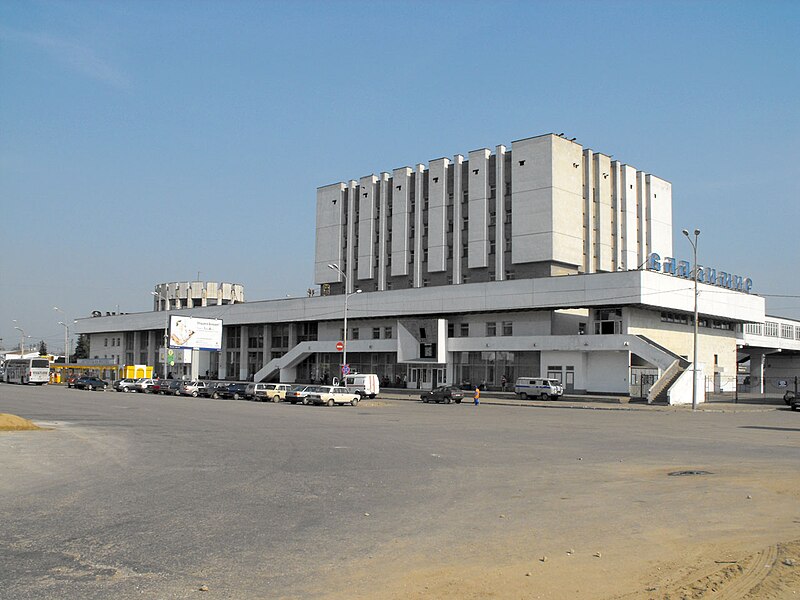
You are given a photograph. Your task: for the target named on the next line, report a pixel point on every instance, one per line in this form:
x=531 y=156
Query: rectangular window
x=376 y=333
x=354 y=333
x=387 y=333
x=464 y=330
x=451 y=330
x=491 y=329
x=508 y=328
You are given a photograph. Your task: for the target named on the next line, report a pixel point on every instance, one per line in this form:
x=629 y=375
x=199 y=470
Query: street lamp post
x=66 y=336
x=336 y=268
x=66 y=341
x=21 y=341
x=694 y=354
x=166 y=328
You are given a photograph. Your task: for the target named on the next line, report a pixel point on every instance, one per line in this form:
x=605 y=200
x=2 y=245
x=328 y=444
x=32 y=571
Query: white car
x=330 y=395
x=144 y=384
x=191 y=388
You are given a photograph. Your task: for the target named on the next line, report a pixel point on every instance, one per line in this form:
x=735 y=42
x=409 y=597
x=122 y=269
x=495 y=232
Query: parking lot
x=134 y=495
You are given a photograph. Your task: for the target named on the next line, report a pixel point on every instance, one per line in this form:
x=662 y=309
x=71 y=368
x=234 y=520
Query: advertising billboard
x=192 y=332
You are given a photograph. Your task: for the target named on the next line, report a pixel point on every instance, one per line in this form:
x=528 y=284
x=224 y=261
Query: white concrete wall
x=659 y=216
x=547 y=201
x=367 y=192
x=478 y=248
x=437 y=215
x=401 y=220
x=330 y=205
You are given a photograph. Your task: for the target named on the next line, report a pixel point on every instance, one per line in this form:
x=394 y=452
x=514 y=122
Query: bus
x=27 y=370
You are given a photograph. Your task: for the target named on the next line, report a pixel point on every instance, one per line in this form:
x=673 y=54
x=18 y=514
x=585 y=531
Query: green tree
x=82 y=347
x=42 y=348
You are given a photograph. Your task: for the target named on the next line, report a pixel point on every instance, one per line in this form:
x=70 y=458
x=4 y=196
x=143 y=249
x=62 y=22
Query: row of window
x=771 y=329
x=683 y=319
x=114 y=341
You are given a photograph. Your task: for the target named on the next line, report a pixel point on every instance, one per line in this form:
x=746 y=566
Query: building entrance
x=426 y=377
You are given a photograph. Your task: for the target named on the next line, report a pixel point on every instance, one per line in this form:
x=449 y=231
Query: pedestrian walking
x=477 y=396
x=503 y=382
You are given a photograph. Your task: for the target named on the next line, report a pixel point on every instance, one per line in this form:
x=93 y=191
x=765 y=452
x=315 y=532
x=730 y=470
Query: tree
x=42 y=348
x=82 y=347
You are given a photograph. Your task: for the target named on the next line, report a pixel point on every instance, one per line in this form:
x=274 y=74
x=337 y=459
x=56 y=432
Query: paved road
x=134 y=495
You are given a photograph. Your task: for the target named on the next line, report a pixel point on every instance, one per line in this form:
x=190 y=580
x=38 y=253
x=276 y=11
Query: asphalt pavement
x=134 y=495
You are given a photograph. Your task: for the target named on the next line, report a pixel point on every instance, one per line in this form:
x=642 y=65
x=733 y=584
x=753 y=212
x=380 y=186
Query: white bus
x=27 y=370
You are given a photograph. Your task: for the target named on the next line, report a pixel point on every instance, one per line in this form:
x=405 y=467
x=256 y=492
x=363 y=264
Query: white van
x=364 y=384
x=537 y=387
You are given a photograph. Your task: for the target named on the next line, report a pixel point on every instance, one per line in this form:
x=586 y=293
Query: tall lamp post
x=336 y=268
x=21 y=340
x=66 y=336
x=694 y=355
x=166 y=328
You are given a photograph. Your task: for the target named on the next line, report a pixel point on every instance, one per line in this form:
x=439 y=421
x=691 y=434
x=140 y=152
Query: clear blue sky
x=142 y=142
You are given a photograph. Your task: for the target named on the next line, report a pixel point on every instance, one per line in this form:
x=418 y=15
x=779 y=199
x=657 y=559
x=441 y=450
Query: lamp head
x=358 y=291
x=333 y=266
x=685 y=232
x=696 y=232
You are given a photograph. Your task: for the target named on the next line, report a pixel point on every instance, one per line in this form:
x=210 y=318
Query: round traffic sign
x=339 y=346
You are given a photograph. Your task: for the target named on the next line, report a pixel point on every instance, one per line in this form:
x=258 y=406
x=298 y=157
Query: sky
x=143 y=142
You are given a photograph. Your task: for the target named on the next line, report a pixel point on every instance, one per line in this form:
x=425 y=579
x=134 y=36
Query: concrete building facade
x=545 y=259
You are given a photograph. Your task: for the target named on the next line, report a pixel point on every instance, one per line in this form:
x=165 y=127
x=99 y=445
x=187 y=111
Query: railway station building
x=541 y=259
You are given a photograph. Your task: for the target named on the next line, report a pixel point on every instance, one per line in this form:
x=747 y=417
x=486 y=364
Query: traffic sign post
x=345 y=369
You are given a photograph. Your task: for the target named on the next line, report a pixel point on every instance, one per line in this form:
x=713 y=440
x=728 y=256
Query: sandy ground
x=744 y=547
x=15 y=423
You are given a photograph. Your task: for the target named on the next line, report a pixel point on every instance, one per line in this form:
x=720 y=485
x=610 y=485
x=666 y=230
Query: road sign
x=345 y=369
x=339 y=346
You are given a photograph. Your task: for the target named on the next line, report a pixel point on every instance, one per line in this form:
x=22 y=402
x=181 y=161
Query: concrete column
x=243 y=353
x=500 y=214
x=458 y=197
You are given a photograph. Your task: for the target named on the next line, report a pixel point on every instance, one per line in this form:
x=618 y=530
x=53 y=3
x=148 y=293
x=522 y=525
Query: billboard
x=192 y=332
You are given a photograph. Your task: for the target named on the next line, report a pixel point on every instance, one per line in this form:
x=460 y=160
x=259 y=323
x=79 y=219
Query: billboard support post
x=166 y=330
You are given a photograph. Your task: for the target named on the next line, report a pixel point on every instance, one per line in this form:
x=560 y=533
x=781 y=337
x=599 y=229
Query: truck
x=364 y=384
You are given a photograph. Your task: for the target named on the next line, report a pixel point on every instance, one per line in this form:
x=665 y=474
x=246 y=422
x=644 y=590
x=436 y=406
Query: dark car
x=170 y=387
x=232 y=390
x=90 y=383
x=212 y=389
x=446 y=394
x=792 y=400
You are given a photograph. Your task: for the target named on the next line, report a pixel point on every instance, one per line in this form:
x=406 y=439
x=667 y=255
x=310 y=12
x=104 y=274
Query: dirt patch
x=15 y=423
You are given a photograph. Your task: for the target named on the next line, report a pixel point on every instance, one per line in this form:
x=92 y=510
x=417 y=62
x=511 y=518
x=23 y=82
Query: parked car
x=788 y=397
x=537 y=387
x=191 y=388
x=445 y=393
x=330 y=395
x=170 y=387
x=253 y=391
x=144 y=385
x=232 y=390
x=299 y=393
x=124 y=385
x=272 y=392
x=90 y=383
x=212 y=389
x=71 y=380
